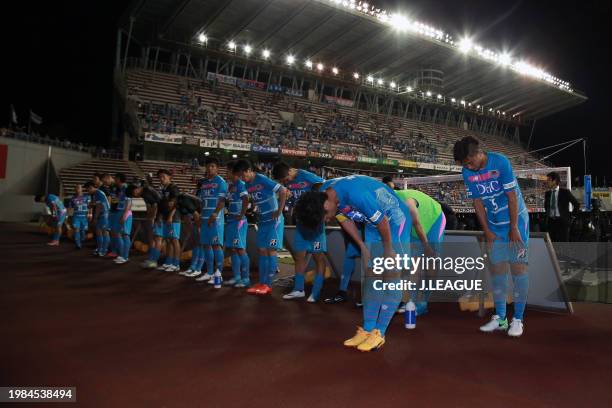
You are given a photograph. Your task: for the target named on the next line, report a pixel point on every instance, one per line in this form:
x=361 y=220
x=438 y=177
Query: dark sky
x=59 y=55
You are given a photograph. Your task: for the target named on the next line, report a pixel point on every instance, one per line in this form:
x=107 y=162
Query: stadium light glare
x=265 y=54
x=463 y=102
x=392 y=84
x=320 y=66
x=370 y=78
x=380 y=81
x=465 y=45
x=206 y=153
x=234 y=156
x=409 y=88
x=439 y=96
x=428 y=93
x=308 y=64
x=203 y=38
x=247 y=49
x=505 y=59
x=335 y=71
x=453 y=100
x=399 y=22
x=290 y=59
x=231 y=45
x=356 y=75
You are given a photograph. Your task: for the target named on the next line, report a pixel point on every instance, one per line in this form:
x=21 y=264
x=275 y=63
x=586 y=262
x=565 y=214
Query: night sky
x=58 y=61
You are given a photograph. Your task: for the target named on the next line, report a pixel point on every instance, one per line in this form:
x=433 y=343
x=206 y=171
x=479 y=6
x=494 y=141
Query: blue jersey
x=263 y=192
x=209 y=192
x=122 y=199
x=100 y=199
x=235 y=192
x=80 y=205
x=302 y=183
x=491 y=184
x=54 y=203
x=364 y=199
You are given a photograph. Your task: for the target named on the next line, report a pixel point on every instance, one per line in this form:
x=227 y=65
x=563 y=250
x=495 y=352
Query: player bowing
x=298 y=182
x=387 y=233
x=58 y=215
x=503 y=217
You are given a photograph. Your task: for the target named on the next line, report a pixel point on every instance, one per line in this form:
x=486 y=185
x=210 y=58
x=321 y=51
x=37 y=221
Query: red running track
x=126 y=337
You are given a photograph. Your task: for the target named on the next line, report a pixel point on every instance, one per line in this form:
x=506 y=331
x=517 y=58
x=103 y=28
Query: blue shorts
x=400 y=238
x=309 y=240
x=211 y=235
x=172 y=231
x=500 y=251
x=236 y=233
x=124 y=228
x=61 y=217
x=80 y=223
x=158 y=229
x=435 y=237
x=270 y=234
x=102 y=222
x=113 y=221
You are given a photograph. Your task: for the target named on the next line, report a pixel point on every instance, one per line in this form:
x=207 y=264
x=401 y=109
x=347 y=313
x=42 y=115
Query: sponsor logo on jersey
x=491 y=174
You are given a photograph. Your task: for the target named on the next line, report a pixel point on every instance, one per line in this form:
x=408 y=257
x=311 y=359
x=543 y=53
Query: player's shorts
x=158 y=228
x=435 y=237
x=500 y=251
x=310 y=241
x=400 y=238
x=236 y=233
x=270 y=234
x=102 y=223
x=172 y=231
x=113 y=221
x=125 y=228
x=80 y=223
x=61 y=217
x=213 y=234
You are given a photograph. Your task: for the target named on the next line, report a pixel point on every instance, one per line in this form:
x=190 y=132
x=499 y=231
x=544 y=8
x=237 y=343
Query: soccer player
x=116 y=194
x=236 y=228
x=81 y=214
x=171 y=221
x=299 y=181
x=270 y=198
x=428 y=222
x=123 y=221
x=151 y=198
x=212 y=191
x=100 y=217
x=190 y=208
x=108 y=189
x=503 y=217
x=387 y=233
x=58 y=215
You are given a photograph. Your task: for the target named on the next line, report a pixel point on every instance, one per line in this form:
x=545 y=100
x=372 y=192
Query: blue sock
x=500 y=288
x=347 y=270
x=317 y=285
x=521 y=289
x=154 y=254
x=113 y=244
x=245 y=267
x=236 y=266
x=298 y=282
x=77 y=238
x=209 y=257
x=195 y=251
x=388 y=307
x=99 y=240
x=105 y=243
x=371 y=305
x=55 y=236
x=125 y=253
x=263 y=269
x=219 y=258
x=201 y=258
x=177 y=260
x=272 y=266
x=169 y=260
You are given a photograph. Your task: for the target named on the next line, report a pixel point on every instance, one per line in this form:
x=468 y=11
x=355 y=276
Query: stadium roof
x=367 y=41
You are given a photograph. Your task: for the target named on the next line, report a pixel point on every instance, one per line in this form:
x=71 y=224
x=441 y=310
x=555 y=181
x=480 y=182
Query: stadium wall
x=24 y=176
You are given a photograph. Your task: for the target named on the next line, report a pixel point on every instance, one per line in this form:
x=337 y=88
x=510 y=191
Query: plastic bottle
x=410 y=315
x=217 y=279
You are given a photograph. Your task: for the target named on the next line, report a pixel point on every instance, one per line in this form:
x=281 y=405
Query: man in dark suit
x=557 y=206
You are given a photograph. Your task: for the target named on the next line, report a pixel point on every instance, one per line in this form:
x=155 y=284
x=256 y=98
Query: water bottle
x=217 y=279
x=410 y=315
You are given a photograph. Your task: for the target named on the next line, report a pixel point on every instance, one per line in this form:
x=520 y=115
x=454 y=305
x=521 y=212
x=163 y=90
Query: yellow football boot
x=357 y=339
x=375 y=340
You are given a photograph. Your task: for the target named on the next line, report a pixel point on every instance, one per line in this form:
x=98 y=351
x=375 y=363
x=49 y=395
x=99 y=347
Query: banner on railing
x=407 y=163
x=264 y=149
x=191 y=140
x=388 y=162
x=320 y=154
x=293 y=152
x=345 y=157
x=366 y=159
x=221 y=78
x=339 y=101
x=248 y=83
x=429 y=166
x=442 y=167
x=233 y=145
x=208 y=143
x=163 y=138
x=294 y=92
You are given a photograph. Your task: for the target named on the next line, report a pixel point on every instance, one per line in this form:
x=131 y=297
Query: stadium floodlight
x=463 y=102
x=400 y=170
x=206 y=153
x=335 y=71
x=380 y=81
x=409 y=89
x=231 y=45
x=356 y=75
x=234 y=156
x=505 y=59
x=265 y=54
x=203 y=38
x=504 y=113
x=439 y=96
x=370 y=78
x=247 y=49
x=308 y=64
x=392 y=84
x=399 y=22
x=320 y=66
x=290 y=59
x=490 y=109
x=453 y=100
x=428 y=93
x=465 y=45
